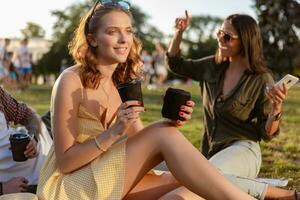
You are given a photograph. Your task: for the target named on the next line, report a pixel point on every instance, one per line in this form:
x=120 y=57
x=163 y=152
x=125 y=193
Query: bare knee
x=172 y=197
x=162 y=128
x=181 y=194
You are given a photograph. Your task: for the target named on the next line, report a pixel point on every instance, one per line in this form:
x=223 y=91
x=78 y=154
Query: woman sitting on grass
x=238 y=112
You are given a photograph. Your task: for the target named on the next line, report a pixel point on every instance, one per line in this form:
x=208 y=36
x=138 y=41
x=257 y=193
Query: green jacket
x=239 y=115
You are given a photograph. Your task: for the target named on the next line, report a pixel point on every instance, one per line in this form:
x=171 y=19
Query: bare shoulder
x=70 y=77
x=68 y=82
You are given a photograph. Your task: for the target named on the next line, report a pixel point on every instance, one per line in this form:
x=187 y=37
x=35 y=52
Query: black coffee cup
x=173 y=99
x=131 y=91
x=18 y=143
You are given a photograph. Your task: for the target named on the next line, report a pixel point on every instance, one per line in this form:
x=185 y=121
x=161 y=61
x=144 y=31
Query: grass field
x=281 y=156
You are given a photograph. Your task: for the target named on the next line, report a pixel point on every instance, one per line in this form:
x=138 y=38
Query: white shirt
x=24 y=57
x=29 y=169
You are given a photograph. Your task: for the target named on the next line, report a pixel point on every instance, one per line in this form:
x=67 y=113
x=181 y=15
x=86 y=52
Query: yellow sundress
x=102 y=179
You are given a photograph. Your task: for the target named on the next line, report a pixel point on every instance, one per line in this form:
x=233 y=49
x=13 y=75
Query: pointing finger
x=187 y=17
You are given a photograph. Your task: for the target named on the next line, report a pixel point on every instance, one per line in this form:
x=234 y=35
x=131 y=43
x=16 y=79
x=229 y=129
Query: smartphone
x=289 y=81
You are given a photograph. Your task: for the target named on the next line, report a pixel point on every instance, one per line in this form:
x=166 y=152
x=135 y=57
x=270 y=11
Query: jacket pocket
x=241 y=109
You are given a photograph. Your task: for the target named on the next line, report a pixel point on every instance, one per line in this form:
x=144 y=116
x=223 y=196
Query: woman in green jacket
x=238 y=111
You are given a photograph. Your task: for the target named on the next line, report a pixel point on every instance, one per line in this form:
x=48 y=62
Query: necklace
x=106 y=109
x=104 y=91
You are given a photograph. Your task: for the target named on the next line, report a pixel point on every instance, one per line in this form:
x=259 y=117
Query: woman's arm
x=66 y=97
x=181 y=24
x=196 y=69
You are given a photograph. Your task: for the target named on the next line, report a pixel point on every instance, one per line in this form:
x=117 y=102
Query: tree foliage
x=279 y=22
x=33 y=30
x=200 y=36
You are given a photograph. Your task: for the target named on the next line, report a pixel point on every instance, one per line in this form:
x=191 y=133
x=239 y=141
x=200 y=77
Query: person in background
x=10 y=67
x=159 y=64
x=25 y=64
x=238 y=112
x=4 y=73
x=147 y=66
x=20 y=176
x=63 y=65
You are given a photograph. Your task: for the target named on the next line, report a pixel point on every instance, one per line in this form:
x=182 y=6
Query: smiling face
x=231 y=47
x=113 y=38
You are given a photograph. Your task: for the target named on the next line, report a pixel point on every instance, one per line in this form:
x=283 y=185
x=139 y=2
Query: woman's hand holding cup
x=185 y=113
x=128 y=113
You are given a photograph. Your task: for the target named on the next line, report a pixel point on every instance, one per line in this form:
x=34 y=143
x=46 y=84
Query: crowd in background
x=154 y=70
x=15 y=67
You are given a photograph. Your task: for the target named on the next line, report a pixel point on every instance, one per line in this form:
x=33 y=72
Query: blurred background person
x=63 y=65
x=24 y=58
x=147 y=66
x=159 y=64
x=3 y=56
x=20 y=176
x=12 y=72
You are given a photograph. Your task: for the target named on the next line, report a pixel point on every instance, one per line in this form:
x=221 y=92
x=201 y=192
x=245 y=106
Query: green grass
x=281 y=156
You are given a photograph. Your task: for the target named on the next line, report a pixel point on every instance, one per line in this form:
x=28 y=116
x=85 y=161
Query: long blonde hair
x=85 y=55
x=251 y=42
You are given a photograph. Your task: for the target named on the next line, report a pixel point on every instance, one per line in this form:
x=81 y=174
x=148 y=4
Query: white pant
x=240 y=164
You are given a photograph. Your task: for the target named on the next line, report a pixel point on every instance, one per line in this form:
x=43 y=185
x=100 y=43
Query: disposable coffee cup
x=18 y=142
x=173 y=99
x=131 y=91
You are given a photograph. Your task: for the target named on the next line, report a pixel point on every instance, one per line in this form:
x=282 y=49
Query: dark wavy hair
x=251 y=42
x=85 y=55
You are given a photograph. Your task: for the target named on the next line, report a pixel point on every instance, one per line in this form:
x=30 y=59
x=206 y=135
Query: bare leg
x=181 y=193
x=152 y=187
x=277 y=193
x=160 y=141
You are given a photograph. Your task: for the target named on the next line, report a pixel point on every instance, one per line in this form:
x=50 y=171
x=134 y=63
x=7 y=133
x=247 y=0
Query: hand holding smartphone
x=289 y=81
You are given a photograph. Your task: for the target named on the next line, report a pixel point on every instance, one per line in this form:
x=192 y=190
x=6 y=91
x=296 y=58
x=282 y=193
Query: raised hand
x=182 y=23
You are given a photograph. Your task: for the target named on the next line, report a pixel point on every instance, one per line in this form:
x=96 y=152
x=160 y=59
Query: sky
x=15 y=14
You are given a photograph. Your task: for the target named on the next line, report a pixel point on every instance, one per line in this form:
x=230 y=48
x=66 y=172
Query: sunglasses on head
x=115 y=3
x=226 y=36
x=124 y=5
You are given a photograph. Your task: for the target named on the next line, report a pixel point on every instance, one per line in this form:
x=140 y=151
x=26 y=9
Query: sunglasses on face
x=124 y=5
x=226 y=36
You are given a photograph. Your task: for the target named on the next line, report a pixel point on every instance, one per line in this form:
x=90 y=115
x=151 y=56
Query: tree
x=279 y=22
x=200 y=36
x=33 y=30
